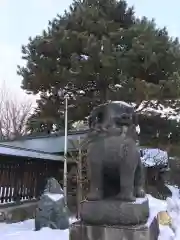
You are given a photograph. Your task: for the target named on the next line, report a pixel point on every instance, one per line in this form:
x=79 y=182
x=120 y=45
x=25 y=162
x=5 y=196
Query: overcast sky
x=20 y=19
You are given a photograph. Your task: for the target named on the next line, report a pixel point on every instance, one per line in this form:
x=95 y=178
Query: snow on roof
x=21 y=152
x=154 y=157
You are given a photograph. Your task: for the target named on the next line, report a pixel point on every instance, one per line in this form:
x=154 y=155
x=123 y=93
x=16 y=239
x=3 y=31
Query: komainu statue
x=116 y=206
x=114 y=167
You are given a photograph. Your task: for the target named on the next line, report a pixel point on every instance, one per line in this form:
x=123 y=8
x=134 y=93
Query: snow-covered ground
x=25 y=230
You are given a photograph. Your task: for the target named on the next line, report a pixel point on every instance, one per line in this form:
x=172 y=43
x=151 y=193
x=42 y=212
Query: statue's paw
x=94 y=196
x=140 y=193
x=126 y=197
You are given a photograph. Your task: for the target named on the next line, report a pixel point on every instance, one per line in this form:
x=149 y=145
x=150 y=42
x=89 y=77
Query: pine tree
x=98 y=51
x=77 y=54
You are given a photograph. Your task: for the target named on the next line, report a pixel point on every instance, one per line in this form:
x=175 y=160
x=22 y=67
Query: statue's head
x=112 y=115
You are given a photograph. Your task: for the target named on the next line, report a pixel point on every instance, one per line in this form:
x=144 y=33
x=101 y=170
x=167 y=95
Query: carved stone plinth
x=112 y=212
x=81 y=231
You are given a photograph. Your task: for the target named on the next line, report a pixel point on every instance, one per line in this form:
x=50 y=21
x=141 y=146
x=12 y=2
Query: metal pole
x=65 y=150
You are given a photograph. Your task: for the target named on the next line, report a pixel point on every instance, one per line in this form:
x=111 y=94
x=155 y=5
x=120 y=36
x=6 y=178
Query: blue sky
x=20 y=19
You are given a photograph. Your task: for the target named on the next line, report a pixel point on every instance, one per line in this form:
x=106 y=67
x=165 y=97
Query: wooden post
x=79 y=177
x=65 y=151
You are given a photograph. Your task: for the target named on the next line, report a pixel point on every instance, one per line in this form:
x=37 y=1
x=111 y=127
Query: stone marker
x=116 y=207
x=51 y=211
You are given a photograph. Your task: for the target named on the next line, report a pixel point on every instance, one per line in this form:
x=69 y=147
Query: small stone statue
x=116 y=206
x=114 y=166
x=51 y=211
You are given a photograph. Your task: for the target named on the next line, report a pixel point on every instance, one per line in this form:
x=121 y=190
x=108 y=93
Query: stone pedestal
x=115 y=212
x=81 y=231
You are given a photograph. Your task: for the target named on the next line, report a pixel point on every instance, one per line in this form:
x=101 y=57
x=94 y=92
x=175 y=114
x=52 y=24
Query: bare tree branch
x=13 y=114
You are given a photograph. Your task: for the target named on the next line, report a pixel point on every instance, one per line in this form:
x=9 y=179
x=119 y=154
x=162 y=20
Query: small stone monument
x=116 y=207
x=51 y=211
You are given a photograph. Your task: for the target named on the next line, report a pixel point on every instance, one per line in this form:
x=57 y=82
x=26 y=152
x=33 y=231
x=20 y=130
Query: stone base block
x=81 y=231
x=113 y=212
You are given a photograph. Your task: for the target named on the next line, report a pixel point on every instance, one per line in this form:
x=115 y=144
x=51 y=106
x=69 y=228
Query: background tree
x=99 y=51
x=70 y=57
x=13 y=115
